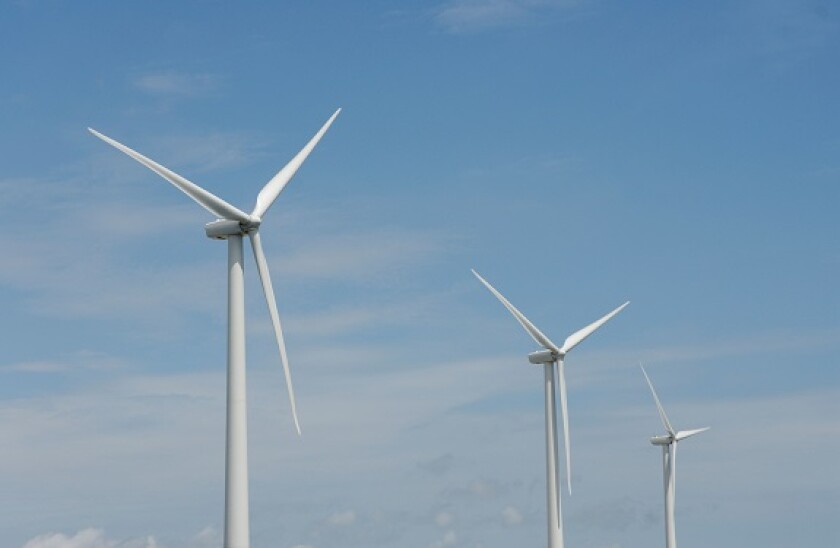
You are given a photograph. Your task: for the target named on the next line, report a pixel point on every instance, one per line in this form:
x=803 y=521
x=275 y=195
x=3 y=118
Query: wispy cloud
x=348 y=319
x=184 y=153
x=97 y=538
x=342 y=519
x=211 y=151
x=476 y=15
x=449 y=539
x=444 y=519
x=512 y=516
x=97 y=276
x=365 y=425
x=753 y=344
x=788 y=26
x=438 y=465
x=172 y=83
x=84 y=360
x=88 y=538
x=361 y=255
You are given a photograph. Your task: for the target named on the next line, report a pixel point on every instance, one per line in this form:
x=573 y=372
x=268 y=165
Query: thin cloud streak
x=464 y=16
x=362 y=256
x=79 y=361
x=172 y=83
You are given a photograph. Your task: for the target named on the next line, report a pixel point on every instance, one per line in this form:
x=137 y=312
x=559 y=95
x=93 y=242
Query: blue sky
x=576 y=153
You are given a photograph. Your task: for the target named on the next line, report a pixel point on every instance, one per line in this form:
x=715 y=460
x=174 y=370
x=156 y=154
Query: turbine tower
x=669 y=462
x=232 y=225
x=552 y=357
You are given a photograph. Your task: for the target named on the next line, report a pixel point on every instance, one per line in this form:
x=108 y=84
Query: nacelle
x=661 y=440
x=542 y=357
x=220 y=229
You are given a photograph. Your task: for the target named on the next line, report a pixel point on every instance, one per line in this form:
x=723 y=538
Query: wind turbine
x=233 y=224
x=552 y=357
x=669 y=462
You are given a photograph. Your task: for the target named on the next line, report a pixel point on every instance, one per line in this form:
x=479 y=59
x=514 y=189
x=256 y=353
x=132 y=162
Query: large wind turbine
x=552 y=357
x=669 y=462
x=231 y=225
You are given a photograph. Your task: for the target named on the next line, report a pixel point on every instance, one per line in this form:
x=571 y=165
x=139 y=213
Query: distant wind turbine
x=669 y=463
x=232 y=224
x=552 y=357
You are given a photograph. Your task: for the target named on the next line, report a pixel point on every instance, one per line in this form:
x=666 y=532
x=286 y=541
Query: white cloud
x=206 y=538
x=344 y=320
x=449 y=539
x=342 y=519
x=367 y=429
x=96 y=538
x=36 y=367
x=62 y=275
x=444 y=519
x=786 y=26
x=54 y=282
x=483 y=488
x=437 y=466
x=174 y=83
x=475 y=15
x=88 y=538
x=210 y=151
x=79 y=361
x=511 y=516
x=760 y=343
x=362 y=255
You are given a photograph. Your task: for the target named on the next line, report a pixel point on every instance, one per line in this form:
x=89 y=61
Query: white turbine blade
x=564 y=409
x=277 y=183
x=577 y=337
x=532 y=330
x=688 y=433
x=208 y=201
x=265 y=278
x=665 y=422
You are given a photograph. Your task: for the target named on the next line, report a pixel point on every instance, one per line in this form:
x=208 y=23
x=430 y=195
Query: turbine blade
x=532 y=330
x=265 y=278
x=577 y=337
x=688 y=433
x=665 y=422
x=205 y=199
x=277 y=183
x=564 y=409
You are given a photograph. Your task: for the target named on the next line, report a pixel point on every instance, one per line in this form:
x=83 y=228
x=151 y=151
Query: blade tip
x=333 y=117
